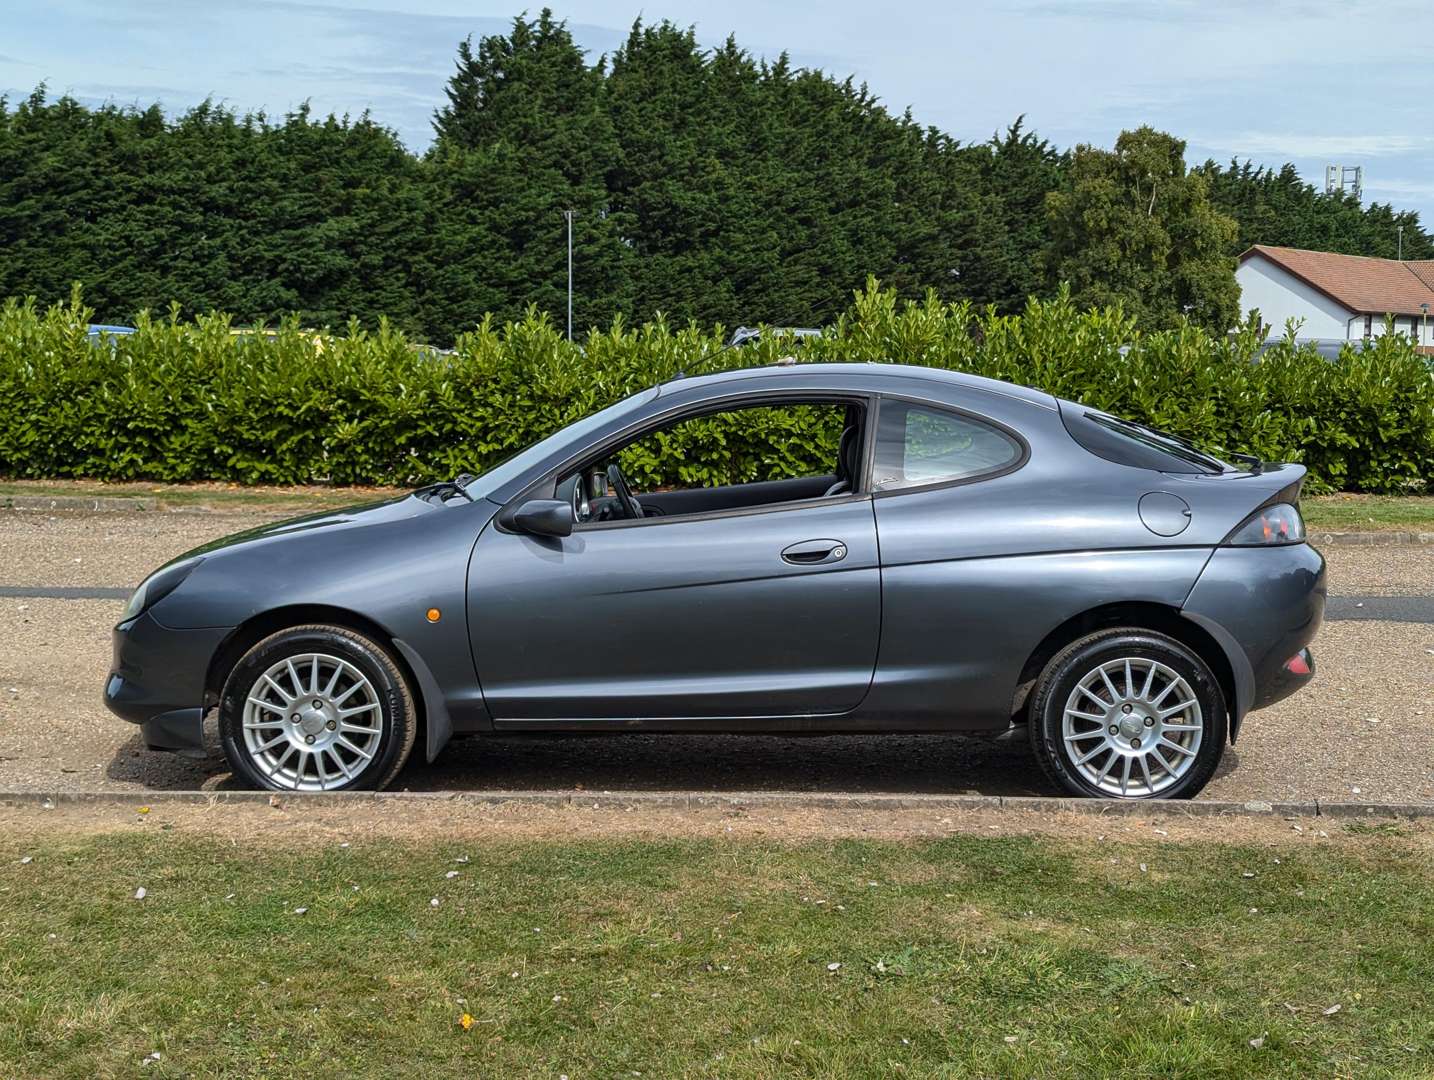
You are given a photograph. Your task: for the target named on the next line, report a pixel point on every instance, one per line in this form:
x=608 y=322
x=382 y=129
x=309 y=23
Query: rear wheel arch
x=1138 y=616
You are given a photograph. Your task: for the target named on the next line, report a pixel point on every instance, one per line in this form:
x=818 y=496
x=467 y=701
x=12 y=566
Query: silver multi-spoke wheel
x=312 y=722
x=1132 y=727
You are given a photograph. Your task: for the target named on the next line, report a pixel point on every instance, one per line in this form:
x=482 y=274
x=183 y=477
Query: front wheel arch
x=254 y=630
x=289 y=689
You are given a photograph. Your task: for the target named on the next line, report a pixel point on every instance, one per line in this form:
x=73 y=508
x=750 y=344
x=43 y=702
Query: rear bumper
x=156 y=680
x=1263 y=605
x=1292 y=675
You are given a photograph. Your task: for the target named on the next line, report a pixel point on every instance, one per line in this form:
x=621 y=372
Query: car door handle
x=812 y=552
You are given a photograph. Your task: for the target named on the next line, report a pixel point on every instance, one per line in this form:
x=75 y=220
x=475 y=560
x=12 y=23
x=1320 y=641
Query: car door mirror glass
x=544 y=517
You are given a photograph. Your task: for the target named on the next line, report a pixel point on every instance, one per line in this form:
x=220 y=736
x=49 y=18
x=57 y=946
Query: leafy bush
x=183 y=400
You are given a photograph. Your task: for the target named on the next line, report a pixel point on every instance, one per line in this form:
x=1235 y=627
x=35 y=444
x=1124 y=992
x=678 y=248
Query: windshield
x=520 y=461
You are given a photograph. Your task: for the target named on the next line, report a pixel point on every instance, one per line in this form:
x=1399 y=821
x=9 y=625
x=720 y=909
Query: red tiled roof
x=1359 y=283
x=1423 y=269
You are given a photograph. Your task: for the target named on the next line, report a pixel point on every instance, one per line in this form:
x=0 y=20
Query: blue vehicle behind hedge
x=99 y=331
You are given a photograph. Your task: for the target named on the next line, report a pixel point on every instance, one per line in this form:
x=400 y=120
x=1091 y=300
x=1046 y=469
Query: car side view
x=972 y=557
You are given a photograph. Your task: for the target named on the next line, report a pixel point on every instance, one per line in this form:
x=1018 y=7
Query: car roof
x=872 y=375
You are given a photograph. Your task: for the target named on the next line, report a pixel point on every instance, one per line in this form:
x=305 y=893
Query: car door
x=772 y=612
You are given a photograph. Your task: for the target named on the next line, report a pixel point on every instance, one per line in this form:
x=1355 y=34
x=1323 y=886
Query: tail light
x=1278 y=523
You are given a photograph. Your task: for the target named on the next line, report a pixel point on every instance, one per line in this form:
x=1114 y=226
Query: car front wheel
x=317 y=708
x=1128 y=714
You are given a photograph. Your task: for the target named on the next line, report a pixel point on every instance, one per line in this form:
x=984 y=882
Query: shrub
x=180 y=400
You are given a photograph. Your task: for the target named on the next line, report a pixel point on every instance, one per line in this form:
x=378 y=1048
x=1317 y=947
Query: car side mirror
x=544 y=517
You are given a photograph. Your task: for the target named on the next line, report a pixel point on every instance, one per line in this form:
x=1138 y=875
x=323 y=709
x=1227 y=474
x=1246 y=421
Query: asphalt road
x=1364 y=730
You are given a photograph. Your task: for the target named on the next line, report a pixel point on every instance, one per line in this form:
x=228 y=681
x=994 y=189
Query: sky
x=1343 y=81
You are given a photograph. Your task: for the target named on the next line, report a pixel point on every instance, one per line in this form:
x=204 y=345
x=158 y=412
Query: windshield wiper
x=448 y=488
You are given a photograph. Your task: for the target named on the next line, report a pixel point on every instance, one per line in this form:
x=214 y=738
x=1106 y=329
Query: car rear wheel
x=317 y=708
x=1128 y=714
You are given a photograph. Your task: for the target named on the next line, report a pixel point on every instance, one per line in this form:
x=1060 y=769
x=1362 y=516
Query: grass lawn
x=1019 y=956
x=1358 y=513
x=296 y=500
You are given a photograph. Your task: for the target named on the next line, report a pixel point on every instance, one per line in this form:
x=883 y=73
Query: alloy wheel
x=312 y=722
x=1132 y=727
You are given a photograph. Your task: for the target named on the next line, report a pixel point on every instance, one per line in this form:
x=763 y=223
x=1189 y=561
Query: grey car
x=973 y=557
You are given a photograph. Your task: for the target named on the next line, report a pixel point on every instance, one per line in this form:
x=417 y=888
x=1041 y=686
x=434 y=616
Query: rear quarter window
x=1126 y=443
x=918 y=445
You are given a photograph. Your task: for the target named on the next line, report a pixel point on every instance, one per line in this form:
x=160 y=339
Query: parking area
x=1364 y=731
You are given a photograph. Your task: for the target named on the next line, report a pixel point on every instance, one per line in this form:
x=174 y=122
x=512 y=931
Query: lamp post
x=1424 y=322
x=568 y=215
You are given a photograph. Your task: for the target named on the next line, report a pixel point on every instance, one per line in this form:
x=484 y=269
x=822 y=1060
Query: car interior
x=771 y=449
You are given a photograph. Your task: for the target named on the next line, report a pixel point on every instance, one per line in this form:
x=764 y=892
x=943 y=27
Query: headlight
x=157 y=586
x=1279 y=523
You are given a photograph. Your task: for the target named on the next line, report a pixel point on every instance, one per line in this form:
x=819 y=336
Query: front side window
x=918 y=445
x=758 y=444
x=745 y=458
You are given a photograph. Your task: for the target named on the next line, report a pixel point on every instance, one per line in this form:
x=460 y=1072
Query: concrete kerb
x=1369 y=539
x=692 y=800
x=90 y=503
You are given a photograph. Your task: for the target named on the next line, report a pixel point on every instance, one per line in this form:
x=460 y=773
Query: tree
x=1133 y=227
x=1014 y=173
x=752 y=191
x=211 y=211
x=709 y=185
x=524 y=136
x=1274 y=206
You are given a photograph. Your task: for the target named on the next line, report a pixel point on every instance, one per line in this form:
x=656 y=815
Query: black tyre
x=1127 y=713
x=317 y=708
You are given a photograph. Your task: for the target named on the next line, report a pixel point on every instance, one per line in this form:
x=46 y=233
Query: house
x=1338 y=297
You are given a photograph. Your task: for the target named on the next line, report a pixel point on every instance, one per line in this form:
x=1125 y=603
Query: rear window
x=1128 y=443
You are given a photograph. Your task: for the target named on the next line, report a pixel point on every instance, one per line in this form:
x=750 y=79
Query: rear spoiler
x=1257 y=465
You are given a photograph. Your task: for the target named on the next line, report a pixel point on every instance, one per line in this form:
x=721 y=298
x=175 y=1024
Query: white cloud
x=1405 y=190
x=1259 y=144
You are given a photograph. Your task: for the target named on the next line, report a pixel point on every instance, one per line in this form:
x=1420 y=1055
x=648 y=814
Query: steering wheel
x=631 y=508
x=582 y=508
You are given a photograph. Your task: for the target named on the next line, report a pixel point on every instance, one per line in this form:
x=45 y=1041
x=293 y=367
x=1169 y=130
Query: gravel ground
x=105 y=549
x=1364 y=731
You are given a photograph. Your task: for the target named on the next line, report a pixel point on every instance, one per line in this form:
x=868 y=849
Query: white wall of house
x=1422 y=334
x=1279 y=296
x=1422 y=328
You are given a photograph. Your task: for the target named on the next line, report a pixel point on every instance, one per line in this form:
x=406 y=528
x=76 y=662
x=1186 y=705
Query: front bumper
x=156 y=680
x=1263 y=605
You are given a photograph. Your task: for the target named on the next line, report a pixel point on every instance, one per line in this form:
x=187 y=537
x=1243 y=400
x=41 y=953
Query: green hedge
x=190 y=401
